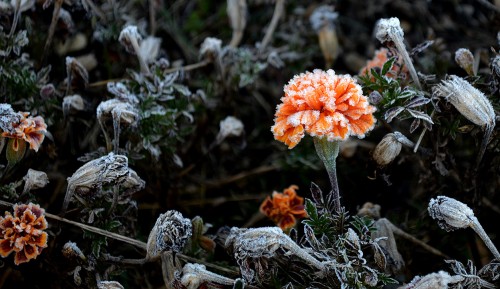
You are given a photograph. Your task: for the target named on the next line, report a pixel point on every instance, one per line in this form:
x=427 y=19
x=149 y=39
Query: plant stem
x=279 y=8
x=476 y=226
x=328 y=152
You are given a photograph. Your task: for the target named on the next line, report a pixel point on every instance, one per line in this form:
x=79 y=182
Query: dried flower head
x=23 y=233
x=170 y=233
x=284 y=208
x=324 y=15
x=131 y=39
x=322 y=104
x=121 y=112
x=150 y=48
x=89 y=178
x=230 y=126
x=465 y=59
x=121 y=92
x=29 y=129
x=8 y=117
x=389 y=31
x=390 y=147
x=34 y=180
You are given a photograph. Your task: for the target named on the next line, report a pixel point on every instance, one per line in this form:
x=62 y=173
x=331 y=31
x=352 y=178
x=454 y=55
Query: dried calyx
x=452 y=214
x=194 y=275
x=251 y=245
x=465 y=59
x=439 y=280
x=170 y=233
x=471 y=103
x=92 y=176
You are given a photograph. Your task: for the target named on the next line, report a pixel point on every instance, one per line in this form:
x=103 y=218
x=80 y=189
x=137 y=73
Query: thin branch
x=279 y=8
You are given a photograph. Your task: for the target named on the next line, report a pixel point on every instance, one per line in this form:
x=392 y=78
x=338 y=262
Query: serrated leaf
x=420 y=115
x=311 y=209
x=15 y=151
x=391 y=113
x=388 y=65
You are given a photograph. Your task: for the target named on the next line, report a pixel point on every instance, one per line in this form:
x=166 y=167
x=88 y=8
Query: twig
x=278 y=12
x=410 y=238
x=189 y=66
x=52 y=29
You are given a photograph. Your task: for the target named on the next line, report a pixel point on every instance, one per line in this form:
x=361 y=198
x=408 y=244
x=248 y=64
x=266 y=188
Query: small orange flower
x=23 y=233
x=378 y=61
x=30 y=129
x=284 y=208
x=322 y=104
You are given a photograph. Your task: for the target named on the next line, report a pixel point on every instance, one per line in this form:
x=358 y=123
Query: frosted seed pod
x=170 y=233
x=193 y=275
x=323 y=22
x=210 y=48
x=465 y=59
x=439 y=280
x=450 y=213
x=387 y=150
x=131 y=39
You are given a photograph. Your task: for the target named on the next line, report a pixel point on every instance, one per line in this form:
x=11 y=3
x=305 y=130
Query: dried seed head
x=150 y=48
x=170 y=233
x=34 y=180
x=387 y=150
x=465 y=59
x=450 y=213
x=72 y=102
x=133 y=183
x=130 y=38
x=193 y=275
x=230 y=126
x=71 y=250
x=468 y=100
x=322 y=16
x=389 y=30
x=439 y=280
x=210 y=48
x=89 y=178
x=370 y=210
x=109 y=285
x=76 y=71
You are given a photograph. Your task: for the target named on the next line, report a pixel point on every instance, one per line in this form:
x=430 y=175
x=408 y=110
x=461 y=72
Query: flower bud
x=322 y=21
x=71 y=250
x=450 y=213
x=387 y=150
x=130 y=38
x=170 y=233
x=230 y=126
x=465 y=59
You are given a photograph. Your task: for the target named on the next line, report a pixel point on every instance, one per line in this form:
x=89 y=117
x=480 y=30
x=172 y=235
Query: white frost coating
x=149 y=49
x=387 y=28
x=439 y=280
x=230 y=126
x=211 y=46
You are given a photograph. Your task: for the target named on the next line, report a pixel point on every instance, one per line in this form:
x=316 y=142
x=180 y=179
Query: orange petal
x=20 y=258
x=6 y=247
x=40 y=241
x=287 y=221
x=30 y=251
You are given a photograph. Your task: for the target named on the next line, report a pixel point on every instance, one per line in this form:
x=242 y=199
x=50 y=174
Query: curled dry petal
x=322 y=104
x=170 y=233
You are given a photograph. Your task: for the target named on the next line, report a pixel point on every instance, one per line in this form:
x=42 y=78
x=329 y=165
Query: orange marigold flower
x=322 y=104
x=378 y=61
x=30 y=129
x=284 y=208
x=23 y=233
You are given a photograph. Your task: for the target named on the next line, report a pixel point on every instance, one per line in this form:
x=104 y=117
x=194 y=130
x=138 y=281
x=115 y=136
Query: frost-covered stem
x=109 y=144
x=302 y=254
x=278 y=11
x=328 y=152
x=476 y=226
x=421 y=135
x=52 y=28
x=488 y=130
x=17 y=13
x=398 y=41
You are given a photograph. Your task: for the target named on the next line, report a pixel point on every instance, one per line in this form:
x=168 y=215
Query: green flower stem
x=328 y=152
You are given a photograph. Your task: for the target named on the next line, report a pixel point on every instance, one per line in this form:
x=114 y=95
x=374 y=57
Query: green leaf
x=388 y=65
x=15 y=151
x=112 y=225
x=311 y=209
